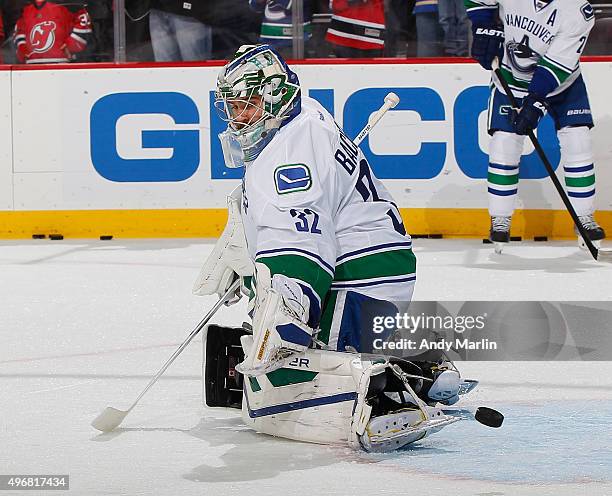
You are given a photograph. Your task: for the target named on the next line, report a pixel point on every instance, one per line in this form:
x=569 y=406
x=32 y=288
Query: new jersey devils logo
x=42 y=36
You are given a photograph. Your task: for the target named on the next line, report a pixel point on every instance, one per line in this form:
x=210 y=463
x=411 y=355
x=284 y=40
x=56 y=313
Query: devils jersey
x=50 y=33
x=1 y=35
x=357 y=24
x=547 y=35
x=313 y=210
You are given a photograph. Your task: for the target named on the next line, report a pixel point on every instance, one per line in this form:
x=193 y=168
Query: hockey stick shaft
x=391 y=100
x=549 y=168
x=111 y=417
x=232 y=289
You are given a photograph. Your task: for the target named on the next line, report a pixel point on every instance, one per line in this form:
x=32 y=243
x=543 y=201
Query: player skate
x=500 y=232
x=594 y=231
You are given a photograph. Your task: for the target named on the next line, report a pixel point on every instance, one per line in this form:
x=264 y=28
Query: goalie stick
x=391 y=100
x=596 y=253
x=111 y=417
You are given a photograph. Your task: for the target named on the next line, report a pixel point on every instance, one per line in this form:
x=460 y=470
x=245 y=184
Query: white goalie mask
x=256 y=94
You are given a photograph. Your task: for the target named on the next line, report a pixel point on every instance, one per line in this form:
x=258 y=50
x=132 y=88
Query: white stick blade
x=109 y=419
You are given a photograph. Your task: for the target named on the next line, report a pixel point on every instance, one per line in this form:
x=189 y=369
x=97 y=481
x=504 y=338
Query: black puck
x=106 y=238
x=39 y=236
x=489 y=417
x=56 y=237
x=486 y=241
x=540 y=238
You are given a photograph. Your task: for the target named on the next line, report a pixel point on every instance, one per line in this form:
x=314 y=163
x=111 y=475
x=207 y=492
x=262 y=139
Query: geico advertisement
x=142 y=138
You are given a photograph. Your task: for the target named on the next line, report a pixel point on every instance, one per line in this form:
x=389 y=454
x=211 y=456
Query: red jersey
x=357 y=24
x=50 y=33
x=1 y=35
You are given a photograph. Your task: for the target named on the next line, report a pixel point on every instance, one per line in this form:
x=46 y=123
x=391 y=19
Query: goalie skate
x=396 y=430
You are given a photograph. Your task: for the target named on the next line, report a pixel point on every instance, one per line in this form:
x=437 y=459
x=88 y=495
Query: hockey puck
x=540 y=238
x=106 y=238
x=38 y=236
x=489 y=417
x=486 y=241
x=56 y=237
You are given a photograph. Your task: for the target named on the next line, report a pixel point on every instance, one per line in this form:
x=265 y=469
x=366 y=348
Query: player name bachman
x=444 y=344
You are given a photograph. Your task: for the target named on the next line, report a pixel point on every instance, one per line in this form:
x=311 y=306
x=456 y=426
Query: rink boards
x=132 y=151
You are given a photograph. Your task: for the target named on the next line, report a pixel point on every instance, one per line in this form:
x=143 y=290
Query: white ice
x=85 y=323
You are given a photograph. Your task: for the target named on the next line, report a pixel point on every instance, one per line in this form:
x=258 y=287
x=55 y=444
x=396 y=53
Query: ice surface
x=85 y=324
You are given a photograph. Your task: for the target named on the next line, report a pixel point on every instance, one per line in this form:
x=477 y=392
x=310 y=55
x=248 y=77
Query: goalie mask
x=256 y=94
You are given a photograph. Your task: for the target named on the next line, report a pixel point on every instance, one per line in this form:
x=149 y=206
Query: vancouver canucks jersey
x=539 y=34
x=313 y=210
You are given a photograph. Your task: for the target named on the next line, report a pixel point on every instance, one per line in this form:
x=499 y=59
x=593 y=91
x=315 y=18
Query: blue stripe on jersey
x=314 y=312
x=405 y=244
x=288 y=251
x=348 y=285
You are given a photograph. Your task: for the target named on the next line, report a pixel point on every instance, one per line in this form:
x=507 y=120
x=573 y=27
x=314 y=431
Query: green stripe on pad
x=286 y=377
x=384 y=264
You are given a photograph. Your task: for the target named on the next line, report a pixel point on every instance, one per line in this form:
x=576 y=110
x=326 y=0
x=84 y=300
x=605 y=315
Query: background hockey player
x=49 y=33
x=539 y=43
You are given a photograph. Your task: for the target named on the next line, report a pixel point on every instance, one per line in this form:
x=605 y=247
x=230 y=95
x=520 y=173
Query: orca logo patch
x=291 y=178
x=587 y=11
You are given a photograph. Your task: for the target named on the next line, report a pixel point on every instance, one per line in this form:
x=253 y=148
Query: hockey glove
x=487 y=44
x=229 y=258
x=529 y=115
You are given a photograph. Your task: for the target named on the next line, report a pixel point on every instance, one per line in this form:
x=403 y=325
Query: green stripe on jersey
x=512 y=81
x=388 y=263
x=282 y=31
x=301 y=268
x=469 y=4
x=559 y=73
x=329 y=305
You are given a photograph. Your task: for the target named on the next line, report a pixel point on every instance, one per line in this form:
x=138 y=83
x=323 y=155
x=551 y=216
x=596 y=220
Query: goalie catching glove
x=280 y=327
x=229 y=258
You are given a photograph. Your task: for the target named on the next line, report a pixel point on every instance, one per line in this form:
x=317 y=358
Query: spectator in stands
x=357 y=28
x=455 y=24
x=277 y=24
x=49 y=33
x=177 y=32
x=429 y=33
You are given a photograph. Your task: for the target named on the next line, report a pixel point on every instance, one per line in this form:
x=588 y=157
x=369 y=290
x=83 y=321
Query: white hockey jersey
x=313 y=210
x=547 y=34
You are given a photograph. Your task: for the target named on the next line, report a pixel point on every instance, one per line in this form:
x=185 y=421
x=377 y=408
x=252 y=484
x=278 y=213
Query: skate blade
x=499 y=247
x=390 y=440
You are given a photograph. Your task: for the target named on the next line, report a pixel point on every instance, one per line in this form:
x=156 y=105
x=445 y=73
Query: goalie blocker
x=326 y=397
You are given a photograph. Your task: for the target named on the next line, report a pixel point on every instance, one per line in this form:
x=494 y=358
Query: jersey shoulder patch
x=291 y=178
x=587 y=11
